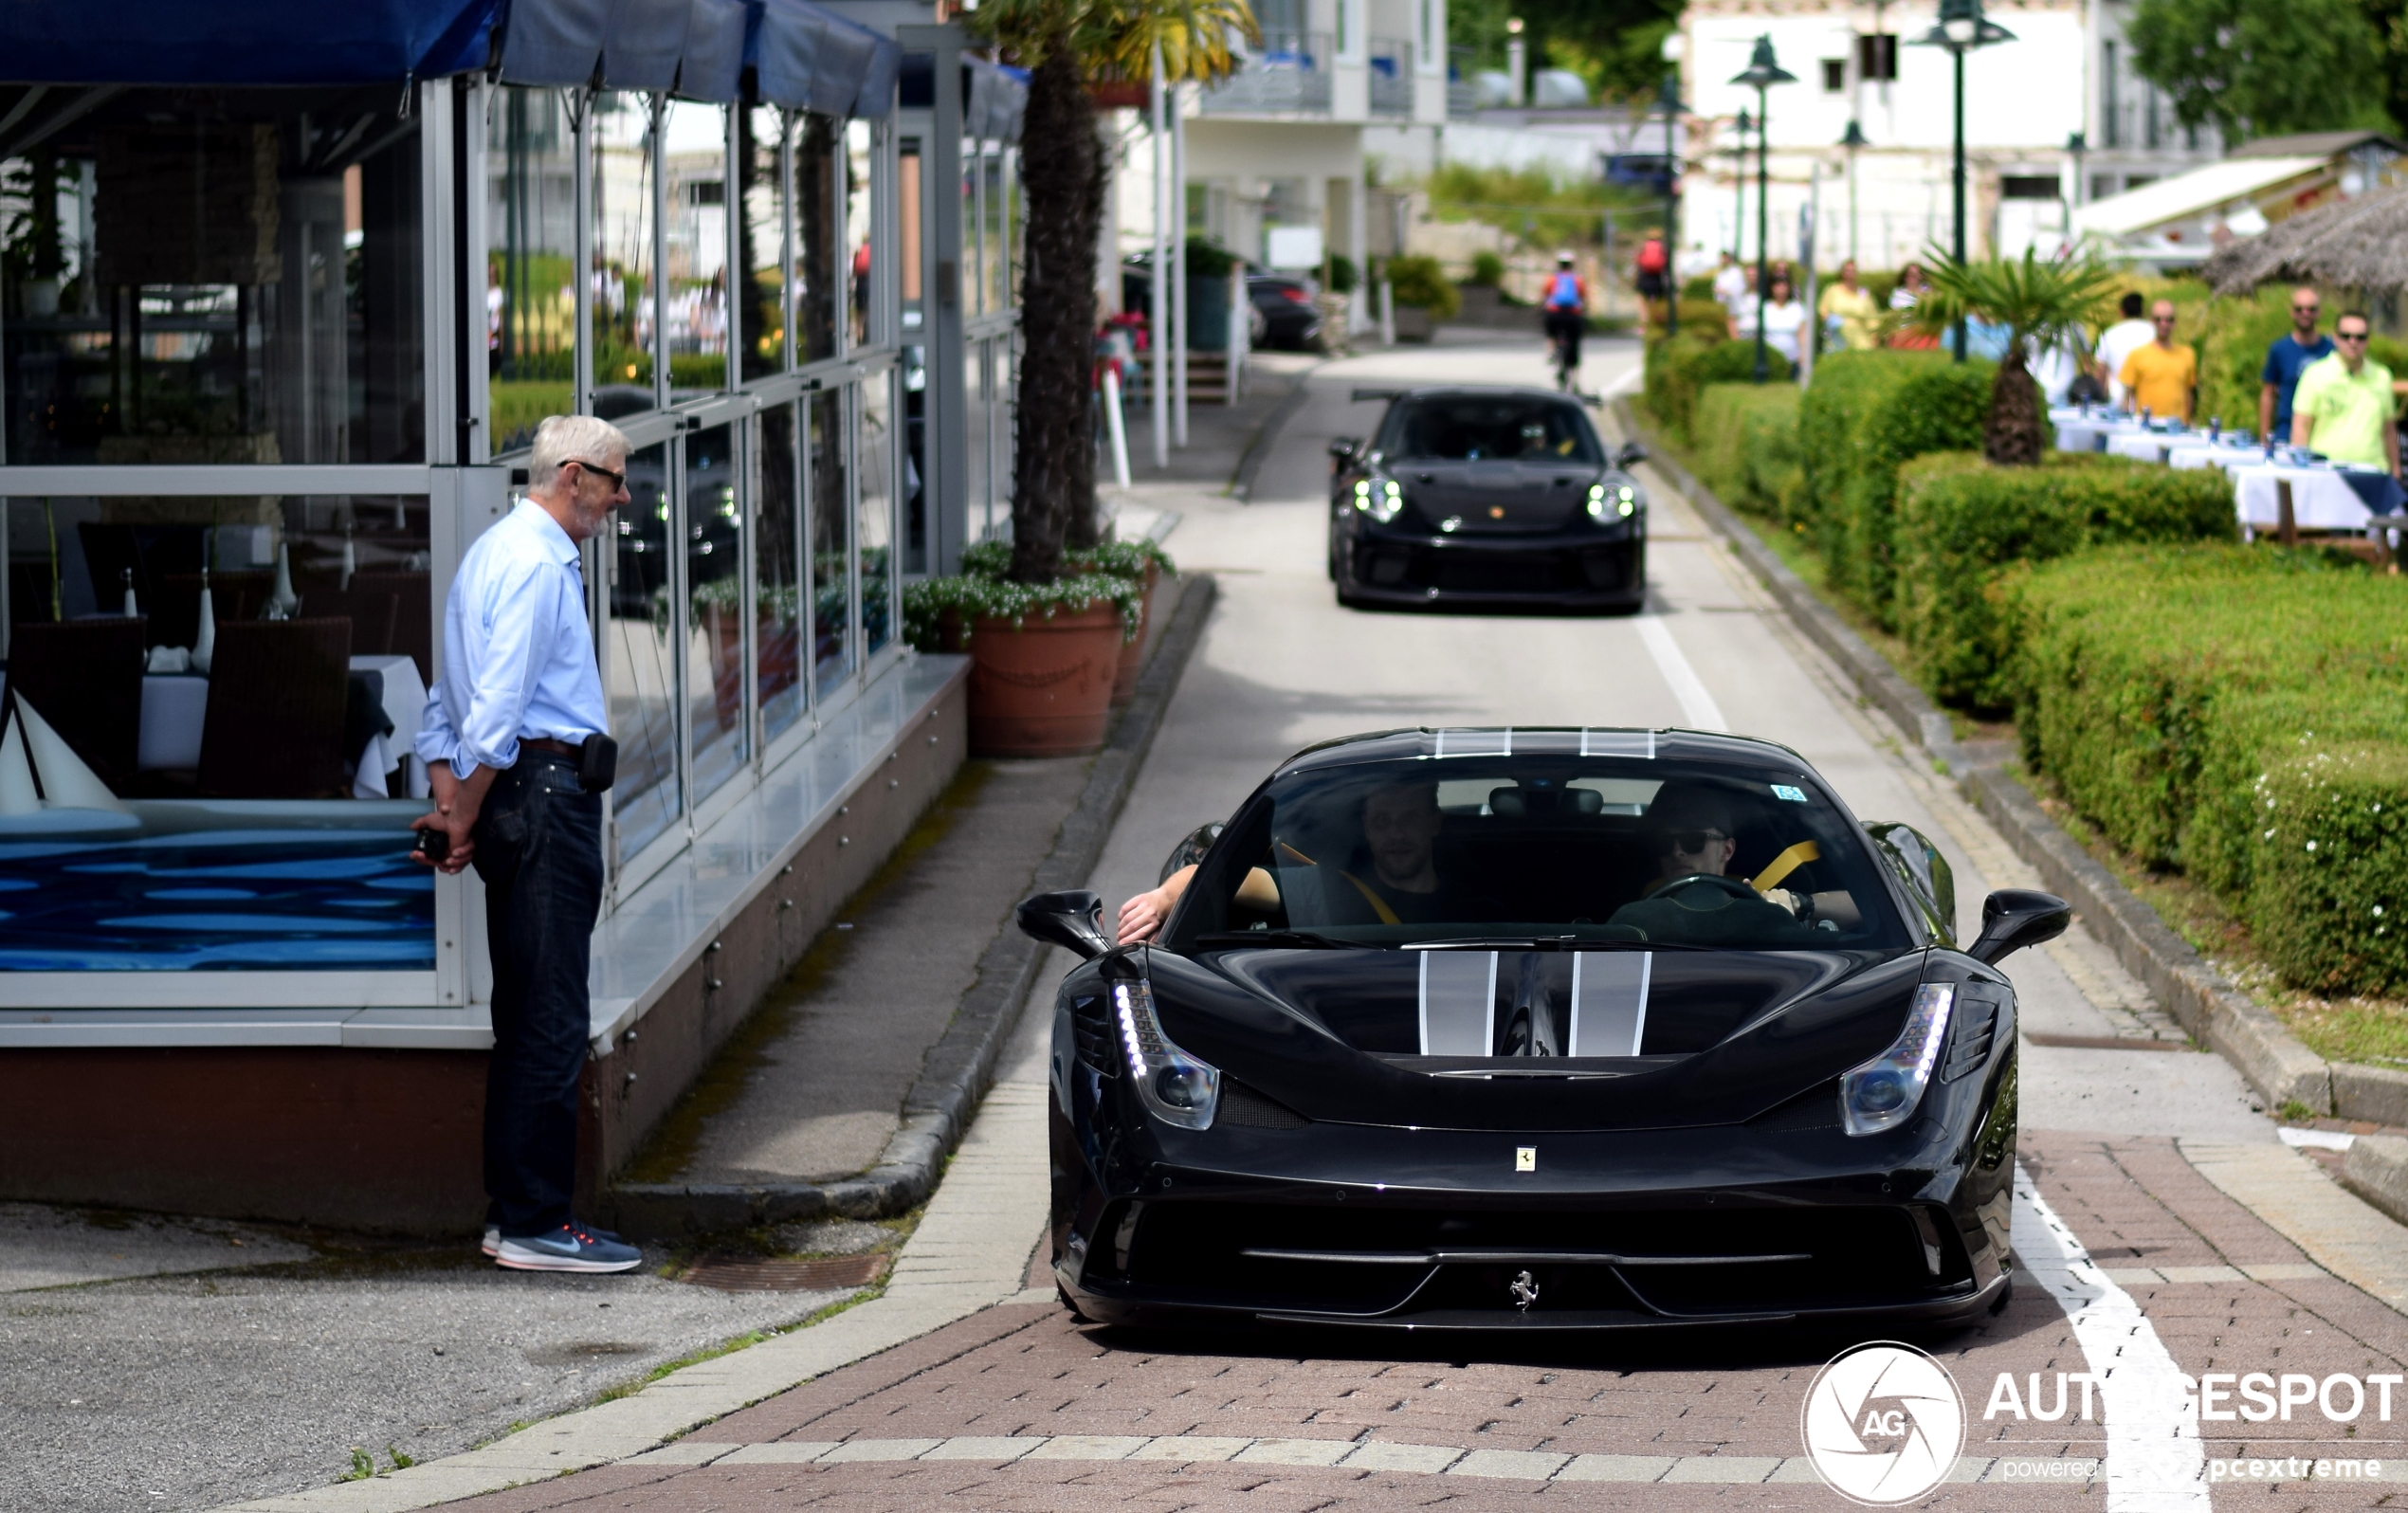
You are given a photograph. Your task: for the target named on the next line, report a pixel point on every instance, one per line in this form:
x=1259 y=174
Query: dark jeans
x=1565 y=327
x=539 y=852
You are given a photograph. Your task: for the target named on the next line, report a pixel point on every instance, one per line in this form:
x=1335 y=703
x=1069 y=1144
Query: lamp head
x=2076 y=143
x=1963 y=28
x=1764 y=69
x=1853 y=138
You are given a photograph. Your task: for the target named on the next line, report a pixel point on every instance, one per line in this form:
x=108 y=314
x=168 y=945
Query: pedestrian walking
x=1784 y=321
x=1651 y=266
x=2119 y=341
x=1731 y=287
x=1909 y=293
x=2161 y=376
x=1851 y=316
x=517 y=749
x=2345 y=407
x=2288 y=357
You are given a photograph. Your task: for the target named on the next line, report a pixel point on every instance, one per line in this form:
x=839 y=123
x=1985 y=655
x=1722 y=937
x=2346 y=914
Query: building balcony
x=1289 y=77
x=1392 y=77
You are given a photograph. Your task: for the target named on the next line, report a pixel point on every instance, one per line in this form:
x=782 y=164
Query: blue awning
x=804 y=57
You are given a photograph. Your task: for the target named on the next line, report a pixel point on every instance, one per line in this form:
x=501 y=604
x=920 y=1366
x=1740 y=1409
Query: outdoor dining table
x=2323 y=496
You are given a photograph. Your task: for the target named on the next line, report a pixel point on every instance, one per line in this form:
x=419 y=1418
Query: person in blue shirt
x=504 y=730
x=2286 y=356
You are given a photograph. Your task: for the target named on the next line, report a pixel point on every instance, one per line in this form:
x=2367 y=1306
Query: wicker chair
x=276 y=699
x=84 y=678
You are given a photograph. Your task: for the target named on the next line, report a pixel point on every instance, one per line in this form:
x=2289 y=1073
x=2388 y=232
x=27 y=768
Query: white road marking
x=1698 y=708
x=2154 y=1459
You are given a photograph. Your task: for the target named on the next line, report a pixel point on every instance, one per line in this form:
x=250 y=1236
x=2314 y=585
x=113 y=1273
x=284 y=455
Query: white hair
x=574 y=439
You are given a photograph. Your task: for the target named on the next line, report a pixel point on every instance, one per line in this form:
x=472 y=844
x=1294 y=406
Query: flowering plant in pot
x=1043 y=655
x=1143 y=560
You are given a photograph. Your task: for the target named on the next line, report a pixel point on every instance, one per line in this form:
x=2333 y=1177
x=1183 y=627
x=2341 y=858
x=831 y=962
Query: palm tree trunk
x=2013 y=437
x=1053 y=468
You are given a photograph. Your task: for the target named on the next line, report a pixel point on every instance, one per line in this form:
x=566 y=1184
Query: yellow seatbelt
x=1378 y=905
x=1783 y=864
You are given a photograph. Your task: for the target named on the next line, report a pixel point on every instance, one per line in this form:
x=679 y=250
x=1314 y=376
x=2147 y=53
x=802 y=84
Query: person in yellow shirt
x=2162 y=375
x=1848 y=312
x=2343 y=405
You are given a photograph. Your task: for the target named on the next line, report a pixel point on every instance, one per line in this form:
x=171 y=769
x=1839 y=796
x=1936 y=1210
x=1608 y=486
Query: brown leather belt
x=558 y=748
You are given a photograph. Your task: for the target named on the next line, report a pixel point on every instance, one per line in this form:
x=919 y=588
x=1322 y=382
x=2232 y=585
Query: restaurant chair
x=277 y=694
x=413 y=627
x=234 y=596
x=85 y=676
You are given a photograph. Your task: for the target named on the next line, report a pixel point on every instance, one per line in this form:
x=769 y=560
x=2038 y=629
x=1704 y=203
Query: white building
x=1280 y=143
x=2068 y=71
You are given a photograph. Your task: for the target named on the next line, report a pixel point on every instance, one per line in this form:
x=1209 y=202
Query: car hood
x=1497 y=498
x=1348 y=1035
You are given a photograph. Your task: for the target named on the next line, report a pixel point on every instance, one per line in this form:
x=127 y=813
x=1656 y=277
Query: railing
x=1391 y=76
x=1289 y=76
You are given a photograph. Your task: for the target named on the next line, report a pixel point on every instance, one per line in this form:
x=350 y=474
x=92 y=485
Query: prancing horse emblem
x=1525 y=1292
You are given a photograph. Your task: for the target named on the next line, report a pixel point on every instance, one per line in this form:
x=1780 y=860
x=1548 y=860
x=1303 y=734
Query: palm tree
x=1067 y=44
x=2042 y=303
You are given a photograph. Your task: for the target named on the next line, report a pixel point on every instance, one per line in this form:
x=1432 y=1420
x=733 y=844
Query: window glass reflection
x=831 y=500
x=857 y=229
x=621 y=139
x=760 y=336
x=639 y=663
x=875 y=459
x=530 y=283
x=715 y=617
x=694 y=287
x=977 y=381
x=211 y=275
x=776 y=555
x=819 y=235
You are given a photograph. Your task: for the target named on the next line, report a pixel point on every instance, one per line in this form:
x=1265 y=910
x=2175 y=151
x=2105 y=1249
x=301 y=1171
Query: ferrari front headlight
x=1884 y=1092
x=1175 y=1087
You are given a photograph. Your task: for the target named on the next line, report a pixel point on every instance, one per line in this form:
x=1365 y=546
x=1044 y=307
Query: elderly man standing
x=515 y=744
x=2345 y=407
x=2286 y=358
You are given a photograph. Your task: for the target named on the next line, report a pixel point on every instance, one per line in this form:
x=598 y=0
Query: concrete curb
x=1250 y=464
x=960 y=1066
x=2376 y=1168
x=2207 y=1005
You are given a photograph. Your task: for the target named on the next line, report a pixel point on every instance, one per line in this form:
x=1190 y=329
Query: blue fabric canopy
x=804 y=57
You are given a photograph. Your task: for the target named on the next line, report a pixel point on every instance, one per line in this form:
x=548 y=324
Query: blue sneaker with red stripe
x=571 y=1248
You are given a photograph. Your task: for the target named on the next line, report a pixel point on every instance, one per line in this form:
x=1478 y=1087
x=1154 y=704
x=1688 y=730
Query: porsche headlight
x=1597 y=502
x=1385 y=499
x=1626 y=501
x=1884 y=1092
x=1613 y=501
x=1177 y=1087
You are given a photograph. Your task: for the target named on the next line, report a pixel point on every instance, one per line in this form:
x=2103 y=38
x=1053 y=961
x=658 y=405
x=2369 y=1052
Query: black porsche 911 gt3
x=1540 y=1028
x=1488 y=497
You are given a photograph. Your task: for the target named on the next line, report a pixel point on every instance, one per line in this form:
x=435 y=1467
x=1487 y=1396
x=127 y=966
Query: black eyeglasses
x=618 y=481
x=1690 y=843
x=2349 y=336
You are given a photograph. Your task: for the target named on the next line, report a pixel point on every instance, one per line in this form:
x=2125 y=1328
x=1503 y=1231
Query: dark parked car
x=1289 y=319
x=1540 y=1028
x=1487 y=497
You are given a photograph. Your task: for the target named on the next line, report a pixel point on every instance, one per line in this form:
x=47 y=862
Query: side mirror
x=1926 y=872
x=1341 y=452
x=1190 y=850
x=1072 y=918
x=2014 y=917
x=1629 y=456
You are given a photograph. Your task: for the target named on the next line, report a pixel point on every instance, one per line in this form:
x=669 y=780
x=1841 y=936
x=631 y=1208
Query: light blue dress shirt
x=518 y=651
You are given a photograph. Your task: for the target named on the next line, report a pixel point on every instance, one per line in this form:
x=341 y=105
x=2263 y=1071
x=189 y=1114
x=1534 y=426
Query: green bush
x=1962 y=524
x=1487 y=269
x=1867 y=415
x=1746 y=445
x=1208 y=258
x=1342 y=273
x=2215 y=708
x=1420 y=282
x=1699 y=288
x=1678 y=369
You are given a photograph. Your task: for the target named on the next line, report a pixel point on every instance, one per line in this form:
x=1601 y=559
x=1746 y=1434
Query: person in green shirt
x=2343 y=406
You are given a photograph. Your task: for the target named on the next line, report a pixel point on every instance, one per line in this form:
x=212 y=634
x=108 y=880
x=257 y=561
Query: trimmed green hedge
x=1746 y=447
x=1962 y=524
x=1867 y=415
x=2237 y=713
x=1678 y=371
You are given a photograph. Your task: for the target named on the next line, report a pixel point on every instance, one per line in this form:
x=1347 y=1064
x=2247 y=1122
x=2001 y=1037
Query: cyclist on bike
x=1567 y=316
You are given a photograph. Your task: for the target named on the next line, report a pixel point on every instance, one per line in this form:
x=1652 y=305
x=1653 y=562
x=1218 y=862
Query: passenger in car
x=1400 y=826
x=1694 y=898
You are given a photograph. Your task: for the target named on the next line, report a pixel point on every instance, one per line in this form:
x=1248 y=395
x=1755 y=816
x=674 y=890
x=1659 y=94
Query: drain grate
x=824 y=1274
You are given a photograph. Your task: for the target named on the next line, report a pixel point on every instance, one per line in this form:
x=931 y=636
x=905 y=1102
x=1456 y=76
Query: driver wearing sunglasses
x=1695 y=838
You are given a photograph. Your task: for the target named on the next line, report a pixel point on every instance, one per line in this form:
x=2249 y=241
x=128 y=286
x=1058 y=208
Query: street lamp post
x=1738 y=192
x=1962 y=28
x=2075 y=145
x=1853 y=139
x=1763 y=73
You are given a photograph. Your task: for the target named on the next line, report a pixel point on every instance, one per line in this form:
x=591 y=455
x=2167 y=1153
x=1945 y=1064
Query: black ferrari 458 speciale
x=1539 y=1029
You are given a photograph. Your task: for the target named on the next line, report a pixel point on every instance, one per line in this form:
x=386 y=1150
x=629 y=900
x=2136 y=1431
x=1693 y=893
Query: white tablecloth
x=2142 y=446
x=2322 y=499
x=175 y=709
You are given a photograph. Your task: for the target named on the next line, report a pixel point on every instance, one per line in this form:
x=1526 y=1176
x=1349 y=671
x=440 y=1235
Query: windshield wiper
x=1273 y=938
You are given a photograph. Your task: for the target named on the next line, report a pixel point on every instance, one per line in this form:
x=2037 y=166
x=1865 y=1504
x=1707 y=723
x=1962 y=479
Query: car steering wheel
x=1736 y=887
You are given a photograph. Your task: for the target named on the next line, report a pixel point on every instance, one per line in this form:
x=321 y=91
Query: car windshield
x=1487 y=428
x=1549 y=849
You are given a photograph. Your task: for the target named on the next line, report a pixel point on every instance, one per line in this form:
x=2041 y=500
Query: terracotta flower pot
x=1046 y=688
x=1133 y=649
